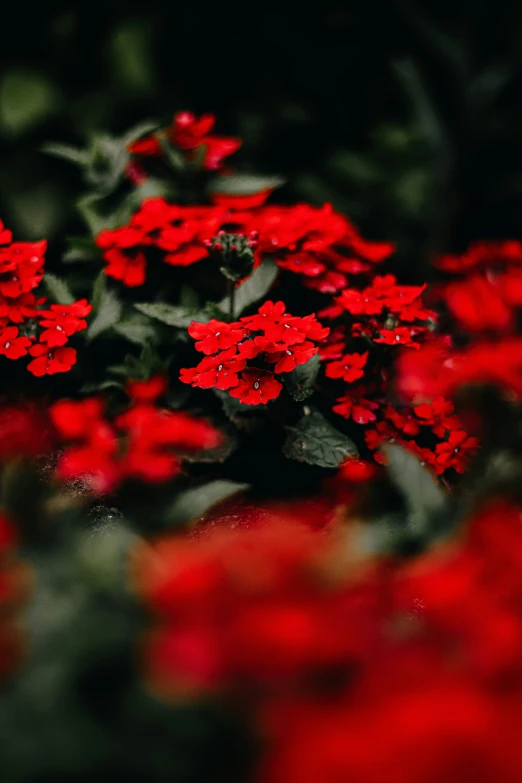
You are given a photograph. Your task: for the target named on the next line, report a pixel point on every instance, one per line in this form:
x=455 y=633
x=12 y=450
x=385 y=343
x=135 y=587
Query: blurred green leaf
x=108 y=313
x=65 y=151
x=80 y=249
x=244 y=184
x=136 y=329
x=424 y=498
x=58 y=289
x=26 y=99
x=192 y=504
x=254 y=288
x=172 y=315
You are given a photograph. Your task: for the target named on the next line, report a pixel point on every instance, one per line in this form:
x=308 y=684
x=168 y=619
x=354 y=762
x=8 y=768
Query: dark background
x=404 y=114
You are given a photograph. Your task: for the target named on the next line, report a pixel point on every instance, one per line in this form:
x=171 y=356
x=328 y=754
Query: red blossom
x=62 y=321
x=215 y=336
x=50 y=361
x=403 y=419
x=189 y=133
x=478 y=304
x=360 y=409
x=13 y=345
x=219 y=371
x=153 y=439
x=288 y=357
x=256 y=387
x=456 y=451
x=350 y=367
x=25 y=430
x=401 y=335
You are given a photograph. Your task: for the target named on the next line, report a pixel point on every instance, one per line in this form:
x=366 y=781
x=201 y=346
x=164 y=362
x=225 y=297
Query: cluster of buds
x=235 y=253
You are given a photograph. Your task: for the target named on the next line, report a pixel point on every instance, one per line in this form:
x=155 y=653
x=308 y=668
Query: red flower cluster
x=318 y=244
x=406 y=671
x=25 y=430
x=191 y=134
x=26 y=328
x=485 y=306
x=142 y=442
x=382 y=312
x=178 y=232
x=273 y=338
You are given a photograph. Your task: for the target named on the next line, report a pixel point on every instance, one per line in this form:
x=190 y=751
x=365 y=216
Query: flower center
x=256 y=385
x=220 y=368
x=289 y=352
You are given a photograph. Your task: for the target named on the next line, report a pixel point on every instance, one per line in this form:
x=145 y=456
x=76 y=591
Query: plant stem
x=231 y=297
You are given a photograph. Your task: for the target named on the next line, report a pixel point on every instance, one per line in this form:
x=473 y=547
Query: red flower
x=360 y=409
x=402 y=335
x=215 y=336
x=20 y=308
x=50 y=362
x=456 y=451
x=478 y=304
x=12 y=345
x=129 y=269
x=361 y=302
x=356 y=470
x=349 y=367
x=153 y=436
x=62 y=321
x=219 y=371
x=304 y=264
x=189 y=133
x=268 y=315
x=403 y=420
x=25 y=430
x=288 y=358
x=77 y=419
x=240 y=202
x=438 y=415
x=6 y=236
x=21 y=267
x=147 y=391
x=256 y=387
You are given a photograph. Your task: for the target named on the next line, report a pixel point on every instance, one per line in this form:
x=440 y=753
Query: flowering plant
x=279 y=475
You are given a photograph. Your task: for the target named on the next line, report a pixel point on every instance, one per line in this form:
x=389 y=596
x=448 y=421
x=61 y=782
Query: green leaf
x=192 y=504
x=299 y=383
x=139 y=130
x=244 y=184
x=172 y=315
x=108 y=313
x=231 y=406
x=424 y=498
x=254 y=288
x=58 y=289
x=26 y=99
x=88 y=207
x=81 y=249
x=98 y=289
x=107 y=161
x=136 y=330
x=173 y=157
x=67 y=152
x=315 y=441
x=92 y=388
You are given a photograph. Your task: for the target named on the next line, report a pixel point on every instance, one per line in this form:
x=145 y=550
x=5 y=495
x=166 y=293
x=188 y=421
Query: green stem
x=231 y=297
